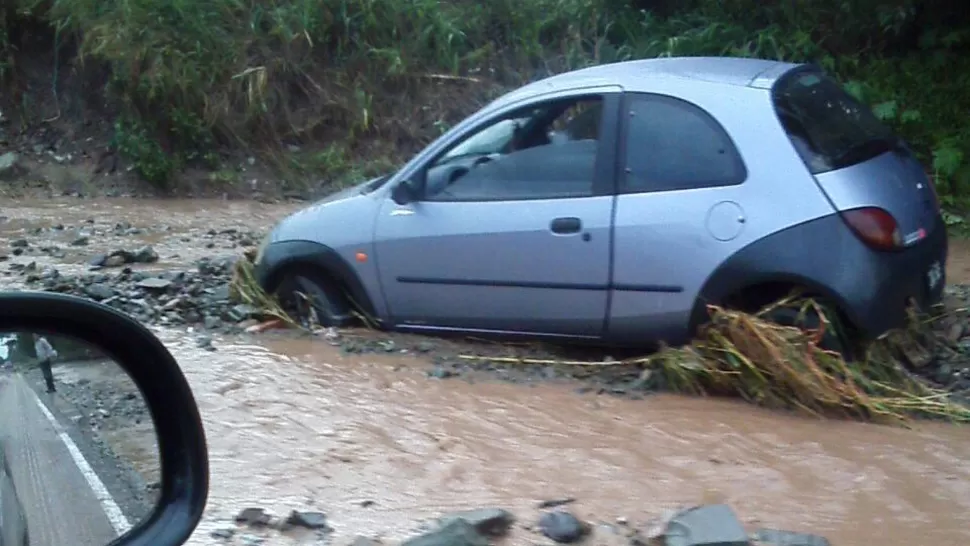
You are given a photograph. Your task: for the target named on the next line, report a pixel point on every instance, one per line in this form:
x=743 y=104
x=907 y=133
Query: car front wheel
x=312 y=299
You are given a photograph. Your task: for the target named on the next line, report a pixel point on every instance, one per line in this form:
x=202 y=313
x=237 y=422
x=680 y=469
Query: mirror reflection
x=79 y=460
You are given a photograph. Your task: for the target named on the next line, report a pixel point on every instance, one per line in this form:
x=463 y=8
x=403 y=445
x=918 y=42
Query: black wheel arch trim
x=175 y=415
x=724 y=283
x=280 y=255
x=790 y=256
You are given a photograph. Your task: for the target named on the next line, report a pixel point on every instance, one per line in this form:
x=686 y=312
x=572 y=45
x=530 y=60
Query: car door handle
x=566 y=225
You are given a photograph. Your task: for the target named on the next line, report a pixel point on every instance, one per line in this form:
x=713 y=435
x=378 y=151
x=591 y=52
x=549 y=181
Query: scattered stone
x=251 y=540
x=553 y=503
x=118 y=258
x=154 y=283
x=457 y=532
x=308 y=520
x=10 y=166
x=774 y=537
x=487 y=521
x=710 y=525
x=562 y=527
x=224 y=534
x=254 y=517
x=145 y=255
x=99 y=291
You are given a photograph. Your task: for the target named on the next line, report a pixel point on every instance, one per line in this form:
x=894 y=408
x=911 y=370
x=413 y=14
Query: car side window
x=549 y=153
x=672 y=144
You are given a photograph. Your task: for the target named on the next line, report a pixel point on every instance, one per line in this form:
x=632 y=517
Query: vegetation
x=355 y=84
x=744 y=355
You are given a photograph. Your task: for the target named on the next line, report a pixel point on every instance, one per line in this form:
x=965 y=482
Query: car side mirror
x=102 y=403
x=404 y=193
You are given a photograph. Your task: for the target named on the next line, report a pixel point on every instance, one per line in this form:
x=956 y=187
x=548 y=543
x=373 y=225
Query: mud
x=383 y=433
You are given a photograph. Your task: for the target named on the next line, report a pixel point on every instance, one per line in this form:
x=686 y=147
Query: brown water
x=378 y=446
x=316 y=429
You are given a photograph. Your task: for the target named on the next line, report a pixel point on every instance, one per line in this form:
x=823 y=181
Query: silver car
x=613 y=203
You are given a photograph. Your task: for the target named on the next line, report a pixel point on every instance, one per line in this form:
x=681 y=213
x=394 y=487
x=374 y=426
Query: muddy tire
x=311 y=298
x=832 y=340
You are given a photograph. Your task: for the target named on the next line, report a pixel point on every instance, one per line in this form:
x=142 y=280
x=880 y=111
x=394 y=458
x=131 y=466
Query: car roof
x=637 y=75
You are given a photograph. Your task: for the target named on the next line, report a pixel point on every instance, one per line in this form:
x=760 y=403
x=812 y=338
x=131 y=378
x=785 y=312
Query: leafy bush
x=195 y=75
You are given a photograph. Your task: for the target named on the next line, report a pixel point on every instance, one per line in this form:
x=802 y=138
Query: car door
x=679 y=213
x=519 y=242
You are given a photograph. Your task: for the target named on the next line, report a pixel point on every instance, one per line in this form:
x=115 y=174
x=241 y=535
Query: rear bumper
x=897 y=279
x=871 y=288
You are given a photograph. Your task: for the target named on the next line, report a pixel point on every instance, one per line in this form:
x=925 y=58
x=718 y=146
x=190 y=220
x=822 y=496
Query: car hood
x=344 y=193
x=320 y=220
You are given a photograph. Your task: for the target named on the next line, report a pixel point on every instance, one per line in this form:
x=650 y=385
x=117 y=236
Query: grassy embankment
x=338 y=89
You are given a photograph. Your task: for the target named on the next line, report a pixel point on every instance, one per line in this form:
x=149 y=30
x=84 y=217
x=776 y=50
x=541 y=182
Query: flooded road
x=378 y=446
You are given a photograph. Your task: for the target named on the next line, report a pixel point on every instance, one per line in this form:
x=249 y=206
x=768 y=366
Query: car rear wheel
x=834 y=339
x=312 y=299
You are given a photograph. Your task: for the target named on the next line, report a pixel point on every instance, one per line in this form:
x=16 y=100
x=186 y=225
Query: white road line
x=111 y=509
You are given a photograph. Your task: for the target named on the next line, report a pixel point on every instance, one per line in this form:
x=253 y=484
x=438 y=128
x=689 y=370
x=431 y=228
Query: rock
x=487 y=521
x=308 y=520
x=710 y=525
x=211 y=322
x=145 y=255
x=954 y=332
x=241 y=312
x=773 y=537
x=562 y=527
x=10 y=165
x=19 y=243
x=220 y=293
x=99 y=291
x=457 y=532
x=154 y=283
x=81 y=240
x=224 y=534
x=364 y=541
x=114 y=260
x=255 y=517
x=552 y=503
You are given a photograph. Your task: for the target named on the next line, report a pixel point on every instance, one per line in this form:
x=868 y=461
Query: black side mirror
x=64 y=352
x=404 y=193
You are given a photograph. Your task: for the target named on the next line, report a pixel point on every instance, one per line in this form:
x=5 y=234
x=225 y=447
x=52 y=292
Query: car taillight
x=875 y=227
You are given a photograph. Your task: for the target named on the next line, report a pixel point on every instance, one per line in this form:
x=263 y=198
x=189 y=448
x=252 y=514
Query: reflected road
x=63 y=499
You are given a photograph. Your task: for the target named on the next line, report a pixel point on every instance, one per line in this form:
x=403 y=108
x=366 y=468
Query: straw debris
x=244 y=289
x=745 y=355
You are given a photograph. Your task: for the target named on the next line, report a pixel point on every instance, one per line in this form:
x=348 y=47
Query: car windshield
x=829 y=128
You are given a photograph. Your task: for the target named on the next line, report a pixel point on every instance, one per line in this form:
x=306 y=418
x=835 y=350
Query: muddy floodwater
x=379 y=446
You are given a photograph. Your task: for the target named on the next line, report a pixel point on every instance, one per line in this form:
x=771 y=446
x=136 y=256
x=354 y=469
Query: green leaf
x=947 y=160
x=910 y=116
x=886 y=111
x=856 y=89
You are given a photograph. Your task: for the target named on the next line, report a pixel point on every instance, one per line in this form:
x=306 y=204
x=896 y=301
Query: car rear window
x=829 y=128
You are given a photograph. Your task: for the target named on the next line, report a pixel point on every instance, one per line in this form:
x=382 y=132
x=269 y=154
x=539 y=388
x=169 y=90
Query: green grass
x=360 y=84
